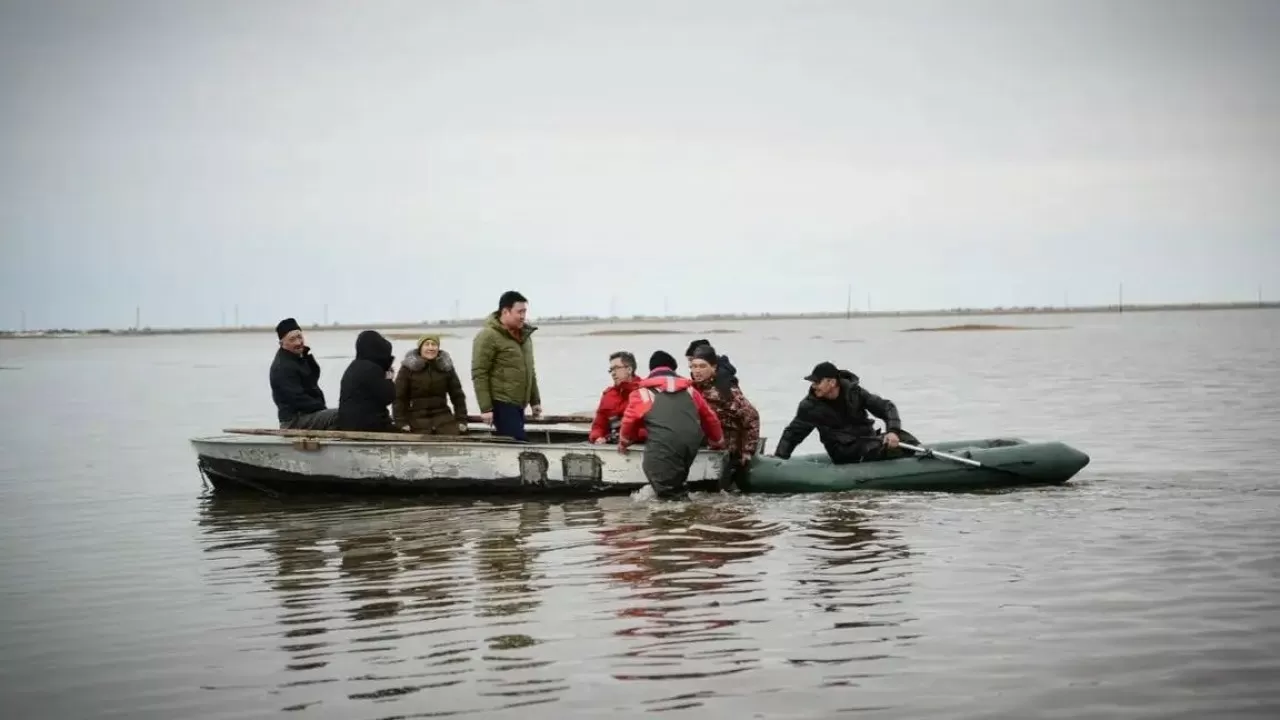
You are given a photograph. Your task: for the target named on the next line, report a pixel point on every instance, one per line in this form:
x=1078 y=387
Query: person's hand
x=745 y=459
x=487 y=417
x=600 y=440
x=462 y=426
x=391 y=374
x=891 y=440
x=622 y=448
x=537 y=411
x=406 y=428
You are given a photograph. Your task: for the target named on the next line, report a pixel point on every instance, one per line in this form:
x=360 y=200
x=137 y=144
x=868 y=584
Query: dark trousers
x=873 y=449
x=508 y=420
x=667 y=470
x=319 y=420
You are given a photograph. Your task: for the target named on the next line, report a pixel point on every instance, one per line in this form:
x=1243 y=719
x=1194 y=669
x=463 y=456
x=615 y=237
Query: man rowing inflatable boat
x=840 y=409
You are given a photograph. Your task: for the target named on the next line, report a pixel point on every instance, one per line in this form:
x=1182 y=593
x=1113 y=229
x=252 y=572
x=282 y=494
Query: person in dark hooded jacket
x=840 y=409
x=367 y=387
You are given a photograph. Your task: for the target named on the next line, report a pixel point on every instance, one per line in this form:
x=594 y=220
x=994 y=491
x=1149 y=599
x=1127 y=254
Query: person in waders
x=676 y=418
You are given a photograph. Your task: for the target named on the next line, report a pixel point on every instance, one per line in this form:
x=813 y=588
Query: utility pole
x=457 y=314
x=848 y=302
x=1120 y=307
x=137 y=317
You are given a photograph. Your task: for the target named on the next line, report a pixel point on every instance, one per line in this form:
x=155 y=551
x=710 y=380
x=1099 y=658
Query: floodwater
x=1149 y=588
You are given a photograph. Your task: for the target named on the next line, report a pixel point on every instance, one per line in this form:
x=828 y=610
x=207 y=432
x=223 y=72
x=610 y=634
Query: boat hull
x=278 y=464
x=1011 y=463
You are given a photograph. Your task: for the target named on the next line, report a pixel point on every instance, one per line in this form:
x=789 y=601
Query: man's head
x=824 y=380
x=622 y=367
x=688 y=353
x=661 y=359
x=290 y=335
x=702 y=363
x=512 y=307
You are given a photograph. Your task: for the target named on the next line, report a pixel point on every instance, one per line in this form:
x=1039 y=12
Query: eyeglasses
x=616 y=368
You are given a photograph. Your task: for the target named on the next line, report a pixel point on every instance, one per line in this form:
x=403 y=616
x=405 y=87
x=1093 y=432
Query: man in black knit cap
x=295 y=382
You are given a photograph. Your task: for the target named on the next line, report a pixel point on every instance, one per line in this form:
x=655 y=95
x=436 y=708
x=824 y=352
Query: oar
x=955 y=458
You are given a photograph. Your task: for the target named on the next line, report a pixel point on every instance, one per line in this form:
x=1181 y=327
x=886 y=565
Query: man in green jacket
x=502 y=368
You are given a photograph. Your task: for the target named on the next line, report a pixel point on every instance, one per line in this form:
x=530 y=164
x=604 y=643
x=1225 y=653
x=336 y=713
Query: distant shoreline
x=712 y=317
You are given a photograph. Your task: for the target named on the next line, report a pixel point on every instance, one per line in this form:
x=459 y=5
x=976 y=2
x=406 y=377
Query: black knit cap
x=285 y=327
x=661 y=359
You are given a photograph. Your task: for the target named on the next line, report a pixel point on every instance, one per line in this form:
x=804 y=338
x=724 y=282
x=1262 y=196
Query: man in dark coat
x=676 y=418
x=295 y=382
x=368 y=386
x=840 y=409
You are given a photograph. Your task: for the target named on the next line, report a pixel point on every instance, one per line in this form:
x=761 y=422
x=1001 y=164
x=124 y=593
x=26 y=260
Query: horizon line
x=848 y=314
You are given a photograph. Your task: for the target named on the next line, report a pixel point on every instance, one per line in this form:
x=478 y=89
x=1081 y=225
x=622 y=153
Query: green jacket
x=502 y=368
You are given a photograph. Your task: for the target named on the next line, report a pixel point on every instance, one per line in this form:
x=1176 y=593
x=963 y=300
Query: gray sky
x=389 y=158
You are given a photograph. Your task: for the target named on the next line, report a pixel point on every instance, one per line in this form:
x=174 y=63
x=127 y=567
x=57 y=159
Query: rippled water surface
x=1148 y=588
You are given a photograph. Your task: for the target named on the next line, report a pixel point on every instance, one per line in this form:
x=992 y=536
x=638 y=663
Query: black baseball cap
x=822 y=371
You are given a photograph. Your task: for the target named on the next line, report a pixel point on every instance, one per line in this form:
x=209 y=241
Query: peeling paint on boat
x=417 y=462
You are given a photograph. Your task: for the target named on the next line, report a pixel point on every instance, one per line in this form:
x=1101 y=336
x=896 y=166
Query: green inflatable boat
x=1005 y=463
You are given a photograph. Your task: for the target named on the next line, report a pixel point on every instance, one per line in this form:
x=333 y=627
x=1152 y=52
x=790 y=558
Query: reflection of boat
x=1006 y=463
x=555 y=458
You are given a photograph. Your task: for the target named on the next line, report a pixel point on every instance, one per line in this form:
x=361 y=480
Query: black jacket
x=843 y=424
x=295 y=384
x=366 y=392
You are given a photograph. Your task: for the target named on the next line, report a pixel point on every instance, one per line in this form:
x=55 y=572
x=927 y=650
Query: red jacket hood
x=665 y=380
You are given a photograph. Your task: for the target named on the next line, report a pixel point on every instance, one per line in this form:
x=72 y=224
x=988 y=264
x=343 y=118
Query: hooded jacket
x=843 y=423
x=425 y=389
x=502 y=367
x=366 y=392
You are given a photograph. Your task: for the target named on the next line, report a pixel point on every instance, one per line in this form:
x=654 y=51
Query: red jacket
x=613 y=403
x=641 y=401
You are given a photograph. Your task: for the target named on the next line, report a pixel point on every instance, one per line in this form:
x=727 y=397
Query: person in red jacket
x=677 y=419
x=613 y=401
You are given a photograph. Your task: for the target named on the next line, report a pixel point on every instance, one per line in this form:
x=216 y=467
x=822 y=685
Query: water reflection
x=691 y=574
x=851 y=581
x=384 y=600
x=504 y=561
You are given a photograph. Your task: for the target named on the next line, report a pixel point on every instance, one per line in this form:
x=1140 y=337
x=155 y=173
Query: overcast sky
x=390 y=158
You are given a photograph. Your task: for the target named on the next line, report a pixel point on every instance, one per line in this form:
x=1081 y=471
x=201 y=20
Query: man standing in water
x=676 y=419
x=295 y=382
x=502 y=367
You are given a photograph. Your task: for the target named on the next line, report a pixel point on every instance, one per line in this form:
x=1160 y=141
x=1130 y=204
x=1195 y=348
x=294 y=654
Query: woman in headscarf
x=425 y=386
x=737 y=415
